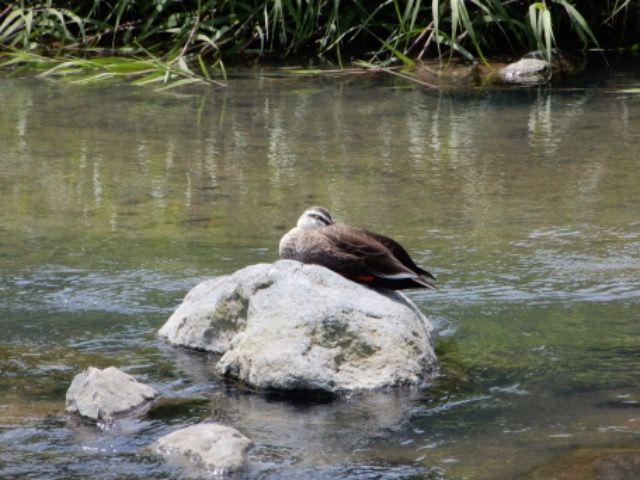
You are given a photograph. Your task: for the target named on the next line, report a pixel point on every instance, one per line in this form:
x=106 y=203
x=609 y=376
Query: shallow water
x=117 y=200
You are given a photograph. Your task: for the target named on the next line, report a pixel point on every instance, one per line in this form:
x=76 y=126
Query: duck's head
x=315 y=217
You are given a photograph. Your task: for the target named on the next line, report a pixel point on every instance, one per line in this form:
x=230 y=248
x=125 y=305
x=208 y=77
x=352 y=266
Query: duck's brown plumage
x=357 y=254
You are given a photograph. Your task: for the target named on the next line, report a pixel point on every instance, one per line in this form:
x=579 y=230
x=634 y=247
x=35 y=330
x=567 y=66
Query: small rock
x=99 y=395
x=527 y=71
x=217 y=448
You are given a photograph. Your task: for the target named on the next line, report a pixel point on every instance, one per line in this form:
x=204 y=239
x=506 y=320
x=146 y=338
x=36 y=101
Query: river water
x=116 y=200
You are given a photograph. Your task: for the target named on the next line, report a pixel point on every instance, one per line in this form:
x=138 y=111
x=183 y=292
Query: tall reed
x=194 y=39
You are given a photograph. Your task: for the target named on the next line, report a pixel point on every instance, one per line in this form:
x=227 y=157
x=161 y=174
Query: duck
x=357 y=254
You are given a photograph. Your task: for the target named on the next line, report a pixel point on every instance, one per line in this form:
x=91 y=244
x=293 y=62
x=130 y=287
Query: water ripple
x=55 y=288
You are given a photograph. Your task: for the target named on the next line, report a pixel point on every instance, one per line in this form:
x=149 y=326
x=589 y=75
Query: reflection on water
x=117 y=200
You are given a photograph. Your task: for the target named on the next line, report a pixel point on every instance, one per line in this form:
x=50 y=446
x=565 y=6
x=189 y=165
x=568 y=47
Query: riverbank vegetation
x=197 y=40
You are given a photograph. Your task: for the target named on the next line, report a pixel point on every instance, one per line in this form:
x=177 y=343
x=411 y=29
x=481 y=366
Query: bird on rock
x=359 y=255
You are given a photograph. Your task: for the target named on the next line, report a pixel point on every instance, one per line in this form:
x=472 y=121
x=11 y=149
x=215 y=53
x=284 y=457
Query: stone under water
x=216 y=448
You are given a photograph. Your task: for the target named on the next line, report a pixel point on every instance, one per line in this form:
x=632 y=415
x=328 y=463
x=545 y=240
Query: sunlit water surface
x=117 y=200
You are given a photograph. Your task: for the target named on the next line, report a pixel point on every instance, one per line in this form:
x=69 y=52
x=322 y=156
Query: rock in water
x=100 y=395
x=527 y=71
x=217 y=448
x=289 y=326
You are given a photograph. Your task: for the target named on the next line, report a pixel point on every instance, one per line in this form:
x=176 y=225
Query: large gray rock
x=214 y=447
x=290 y=326
x=100 y=395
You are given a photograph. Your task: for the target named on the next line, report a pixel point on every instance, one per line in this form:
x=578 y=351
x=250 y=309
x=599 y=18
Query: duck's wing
x=360 y=255
x=331 y=248
x=400 y=253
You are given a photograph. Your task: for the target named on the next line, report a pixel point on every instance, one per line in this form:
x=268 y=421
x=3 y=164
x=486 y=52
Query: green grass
x=176 y=42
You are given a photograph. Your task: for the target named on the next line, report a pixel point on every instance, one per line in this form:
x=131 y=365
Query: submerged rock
x=289 y=326
x=591 y=464
x=100 y=395
x=213 y=447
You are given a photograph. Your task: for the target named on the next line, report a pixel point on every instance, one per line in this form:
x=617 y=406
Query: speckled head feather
x=315 y=217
